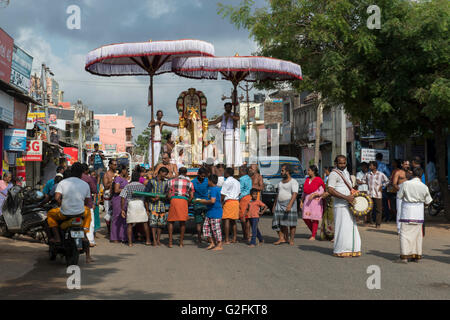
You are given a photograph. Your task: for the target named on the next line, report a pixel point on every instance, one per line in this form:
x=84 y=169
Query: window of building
x=114 y=131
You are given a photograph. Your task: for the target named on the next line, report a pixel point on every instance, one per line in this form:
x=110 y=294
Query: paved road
x=304 y=271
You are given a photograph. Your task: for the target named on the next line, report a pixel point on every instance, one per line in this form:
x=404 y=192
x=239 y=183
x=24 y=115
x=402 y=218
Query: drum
x=362 y=205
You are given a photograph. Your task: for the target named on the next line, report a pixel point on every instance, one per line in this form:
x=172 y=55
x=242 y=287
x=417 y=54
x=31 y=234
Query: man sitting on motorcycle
x=71 y=195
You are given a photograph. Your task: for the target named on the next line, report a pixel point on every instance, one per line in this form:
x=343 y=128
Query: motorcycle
x=73 y=241
x=435 y=207
x=22 y=213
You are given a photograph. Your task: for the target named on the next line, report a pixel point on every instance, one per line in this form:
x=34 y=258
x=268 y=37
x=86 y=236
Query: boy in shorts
x=156 y=208
x=212 y=226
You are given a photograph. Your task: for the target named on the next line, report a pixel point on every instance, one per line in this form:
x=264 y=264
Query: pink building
x=115 y=132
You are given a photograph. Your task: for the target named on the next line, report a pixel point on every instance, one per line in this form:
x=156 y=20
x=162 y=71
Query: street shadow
x=322 y=250
x=48 y=278
x=385 y=255
x=383 y=231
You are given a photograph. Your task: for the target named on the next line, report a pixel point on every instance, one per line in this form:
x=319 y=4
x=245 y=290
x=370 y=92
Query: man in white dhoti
x=158 y=124
x=347 y=242
x=230 y=130
x=414 y=194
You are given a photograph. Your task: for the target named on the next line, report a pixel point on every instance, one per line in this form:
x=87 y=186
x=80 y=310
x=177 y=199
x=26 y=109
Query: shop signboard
x=6 y=55
x=21 y=69
x=368 y=155
x=15 y=140
x=6 y=108
x=34 y=150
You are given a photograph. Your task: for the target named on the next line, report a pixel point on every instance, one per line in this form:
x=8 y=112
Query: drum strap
x=344 y=179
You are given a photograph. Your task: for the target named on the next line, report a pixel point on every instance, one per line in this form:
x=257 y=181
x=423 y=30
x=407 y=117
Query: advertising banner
x=369 y=155
x=15 y=140
x=21 y=69
x=89 y=145
x=6 y=54
x=34 y=151
x=71 y=155
x=34 y=117
x=21 y=170
x=61 y=114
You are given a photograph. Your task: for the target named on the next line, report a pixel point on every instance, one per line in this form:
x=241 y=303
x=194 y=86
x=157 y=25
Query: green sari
x=327 y=227
x=97 y=223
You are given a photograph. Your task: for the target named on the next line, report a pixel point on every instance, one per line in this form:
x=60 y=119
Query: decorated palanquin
x=191 y=106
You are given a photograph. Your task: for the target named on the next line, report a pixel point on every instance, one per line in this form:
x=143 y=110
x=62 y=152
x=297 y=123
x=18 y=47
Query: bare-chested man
x=107 y=184
x=159 y=125
x=173 y=169
x=257 y=179
x=398 y=178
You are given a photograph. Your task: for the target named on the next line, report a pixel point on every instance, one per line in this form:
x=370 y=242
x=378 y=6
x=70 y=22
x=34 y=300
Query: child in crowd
x=254 y=210
x=212 y=225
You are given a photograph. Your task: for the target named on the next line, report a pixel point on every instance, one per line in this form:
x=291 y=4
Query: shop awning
x=13 y=91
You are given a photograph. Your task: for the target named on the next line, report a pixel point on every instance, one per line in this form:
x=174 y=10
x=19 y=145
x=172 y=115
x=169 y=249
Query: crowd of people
x=218 y=202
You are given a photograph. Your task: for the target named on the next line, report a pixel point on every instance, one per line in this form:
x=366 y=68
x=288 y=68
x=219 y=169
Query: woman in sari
x=96 y=200
x=118 y=223
x=311 y=203
x=5 y=185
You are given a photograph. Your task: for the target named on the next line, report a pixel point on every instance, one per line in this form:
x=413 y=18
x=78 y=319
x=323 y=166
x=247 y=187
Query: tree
x=143 y=140
x=395 y=78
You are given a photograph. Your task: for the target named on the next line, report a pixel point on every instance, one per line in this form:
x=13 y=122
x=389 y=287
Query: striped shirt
x=375 y=181
x=180 y=187
x=127 y=191
x=155 y=186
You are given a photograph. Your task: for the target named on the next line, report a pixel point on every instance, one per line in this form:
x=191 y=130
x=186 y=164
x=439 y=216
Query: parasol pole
x=152 y=129
x=235 y=102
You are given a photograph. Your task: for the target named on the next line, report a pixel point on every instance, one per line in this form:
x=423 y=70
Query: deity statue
x=191 y=106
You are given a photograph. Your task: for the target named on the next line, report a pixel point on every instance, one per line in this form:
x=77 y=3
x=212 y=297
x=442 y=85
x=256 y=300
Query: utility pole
x=80 y=133
x=44 y=70
x=318 y=127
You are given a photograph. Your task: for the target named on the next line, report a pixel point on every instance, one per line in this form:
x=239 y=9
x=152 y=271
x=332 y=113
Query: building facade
x=115 y=132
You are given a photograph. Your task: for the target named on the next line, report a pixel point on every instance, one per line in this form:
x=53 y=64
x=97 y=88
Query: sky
x=40 y=28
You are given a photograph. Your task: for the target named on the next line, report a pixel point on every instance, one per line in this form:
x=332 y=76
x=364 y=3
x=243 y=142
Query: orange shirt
x=254 y=208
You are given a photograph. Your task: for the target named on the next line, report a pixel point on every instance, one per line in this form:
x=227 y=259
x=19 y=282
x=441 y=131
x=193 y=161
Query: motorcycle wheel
x=72 y=255
x=51 y=254
x=4 y=229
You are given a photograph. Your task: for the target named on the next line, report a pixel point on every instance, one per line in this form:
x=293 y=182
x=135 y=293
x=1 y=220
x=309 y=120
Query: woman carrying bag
x=133 y=208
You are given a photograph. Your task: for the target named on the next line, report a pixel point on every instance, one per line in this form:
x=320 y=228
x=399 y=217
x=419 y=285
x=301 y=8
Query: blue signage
x=21 y=69
x=15 y=140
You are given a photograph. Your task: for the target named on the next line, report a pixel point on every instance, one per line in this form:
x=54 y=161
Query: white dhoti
x=399 y=213
x=106 y=205
x=347 y=241
x=411 y=236
x=229 y=159
x=411 y=240
x=90 y=234
x=157 y=149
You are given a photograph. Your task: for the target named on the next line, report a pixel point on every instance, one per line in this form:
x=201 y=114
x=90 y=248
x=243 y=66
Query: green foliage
x=395 y=79
x=142 y=141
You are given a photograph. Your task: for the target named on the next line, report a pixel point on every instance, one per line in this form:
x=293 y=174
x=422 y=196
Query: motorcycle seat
x=30 y=207
x=76 y=221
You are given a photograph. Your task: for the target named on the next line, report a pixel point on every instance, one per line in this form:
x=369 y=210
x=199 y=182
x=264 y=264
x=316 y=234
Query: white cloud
x=158 y=8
